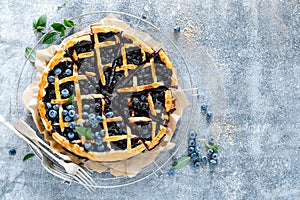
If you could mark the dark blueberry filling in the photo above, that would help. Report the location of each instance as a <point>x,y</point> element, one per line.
<point>81,47</point>
<point>109,36</point>
<point>109,54</point>
<point>134,55</point>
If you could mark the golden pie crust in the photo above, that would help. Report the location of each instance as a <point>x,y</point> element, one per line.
<point>158,129</point>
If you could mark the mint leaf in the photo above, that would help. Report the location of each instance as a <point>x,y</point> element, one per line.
<point>68,23</point>
<point>35,24</point>
<point>42,21</point>
<point>62,5</point>
<point>182,161</point>
<point>59,28</point>
<point>70,99</point>
<point>50,38</point>
<point>26,157</point>
<point>214,147</point>
<point>88,133</point>
<point>32,56</point>
<point>81,130</point>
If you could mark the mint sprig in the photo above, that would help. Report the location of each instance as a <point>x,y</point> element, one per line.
<point>58,28</point>
<point>83,131</point>
<point>40,24</point>
<point>182,161</point>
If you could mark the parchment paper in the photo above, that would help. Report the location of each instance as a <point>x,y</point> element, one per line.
<point>129,167</point>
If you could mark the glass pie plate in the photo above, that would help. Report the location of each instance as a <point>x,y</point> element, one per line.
<point>189,119</point>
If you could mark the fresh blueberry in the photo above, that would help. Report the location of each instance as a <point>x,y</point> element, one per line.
<point>57,71</point>
<point>52,113</point>
<point>87,122</point>
<point>143,98</point>
<point>65,112</point>
<point>109,114</point>
<point>98,135</point>
<point>171,172</point>
<point>99,118</point>
<point>194,156</point>
<point>135,100</point>
<point>92,115</point>
<point>193,134</point>
<point>204,159</point>
<point>214,156</point>
<point>212,162</point>
<point>93,120</point>
<point>76,117</point>
<point>197,164</point>
<point>95,125</point>
<point>67,119</point>
<point>86,107</point>
<point>56,107</point>
<point>98,141</point>
<point>51,79</point>
<point>209,114</point>
<point>71,135</point>
<point>211,140</point>
<point>72,113</point>
<point>48,105</point>
<point>191,150</point>
<point>102,133</point>
<point>192,142</point>
<point>12,152</point>
<point>101,147</point>
<point>87,146</point>
<point>198,150</point>
<point>65,93</point>
<point>72,124</point>
<point>204,106</point>
<point>68,72</point>
<point>177,29</point>
<point>85,115</point>
<point>210,152</point>
<point>70,107</point>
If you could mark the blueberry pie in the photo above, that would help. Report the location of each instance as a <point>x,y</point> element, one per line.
<point>107,95</point>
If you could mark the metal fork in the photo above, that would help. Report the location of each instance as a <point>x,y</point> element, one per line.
<point>77,172</point>
<point>71,169</point>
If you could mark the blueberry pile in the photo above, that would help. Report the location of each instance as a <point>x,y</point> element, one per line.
<point>194,151</point>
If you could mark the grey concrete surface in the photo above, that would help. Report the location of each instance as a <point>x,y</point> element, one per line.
<point>245,55</point>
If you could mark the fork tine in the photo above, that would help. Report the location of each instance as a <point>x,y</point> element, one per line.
<point>87,176</point>
<point>81,183</point>
<point>84,179</point>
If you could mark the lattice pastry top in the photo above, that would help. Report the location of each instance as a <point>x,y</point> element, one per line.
<point>122,95</point>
